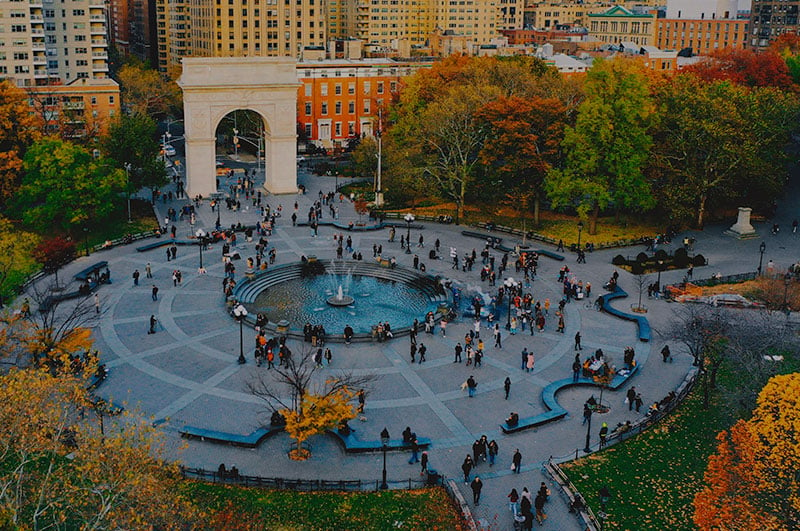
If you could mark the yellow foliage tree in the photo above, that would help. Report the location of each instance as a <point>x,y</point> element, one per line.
<point>316,414</point>
<point>16,261</point>
<point>58,469</point>
<point>752,482</point>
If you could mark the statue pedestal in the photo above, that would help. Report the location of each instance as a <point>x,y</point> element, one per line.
<point>742,229</point>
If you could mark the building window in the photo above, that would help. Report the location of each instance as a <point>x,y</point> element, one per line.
<point>380,87</point>
<point>351,128</point>
<point>324,109</point>
<point>308,109</point>
<point>338,129</point>
<point>351,88</point>
<point>338,107</point>
<point>111,100</point>
<point>308,130</point>
<point>366,106</point>
<point>323,88</point>
<point>351,107</point>
<point>337,89</point>
<point>367,87</point>
<point>307,87</point>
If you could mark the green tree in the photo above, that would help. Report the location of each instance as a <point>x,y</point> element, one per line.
<point>64,187</point>
<point>609,145</point>
<point>132,142</point>
<point>734,149</point>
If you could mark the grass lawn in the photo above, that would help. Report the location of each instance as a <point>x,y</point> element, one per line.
<point>117,226</point>
<point>552,224</point>
<point>653,477</point>
<point>428,509</point>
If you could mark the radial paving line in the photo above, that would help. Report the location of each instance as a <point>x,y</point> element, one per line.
<point>189,397</point>
<point>432,400</point>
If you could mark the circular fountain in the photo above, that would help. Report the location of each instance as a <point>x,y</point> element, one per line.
<point>340,299</point>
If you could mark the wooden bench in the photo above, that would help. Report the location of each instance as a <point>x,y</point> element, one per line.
<point>162,242</point>
<point>247,441</point>
<point>354,445</point>
<point>641,321</point>
<point>494,240</point>
<point>85,274</point>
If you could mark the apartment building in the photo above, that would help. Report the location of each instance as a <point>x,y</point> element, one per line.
<point>339,99</point>
<point>119,25</point>
<point>619,24</point>
<point>237,28</point>
<point>771,18</point>
<point>47,42</point>
<point>701,35</point>
<point>76,109</point>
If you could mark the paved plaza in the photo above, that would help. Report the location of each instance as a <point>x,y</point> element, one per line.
<point>187,372</point>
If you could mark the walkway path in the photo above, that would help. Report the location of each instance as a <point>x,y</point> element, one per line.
<point>187,373</point>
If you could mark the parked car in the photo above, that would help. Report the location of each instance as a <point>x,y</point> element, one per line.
<point>169,150</point>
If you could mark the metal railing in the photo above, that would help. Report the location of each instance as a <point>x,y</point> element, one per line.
<point>584,511</point>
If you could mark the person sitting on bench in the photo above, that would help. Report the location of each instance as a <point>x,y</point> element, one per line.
<point>513,419</point>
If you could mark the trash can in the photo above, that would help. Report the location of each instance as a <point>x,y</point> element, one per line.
<point>282,327</point>
<point>434,478</point>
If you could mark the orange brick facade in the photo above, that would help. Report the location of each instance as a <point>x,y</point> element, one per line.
<point>339,100</point>
<point>702,36</point>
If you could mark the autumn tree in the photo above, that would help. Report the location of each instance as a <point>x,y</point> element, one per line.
<point>16,260</point>
<point>744,67</point>
<point>734,150</point>
<point>18,130</point>
<point>54,253</point>
<point>131,142</point>
<point>752,481</point>
<point>607,148</point>
<point>65,187</point>
<point>61,471</point>
<point>313,403</point>
<point>147,91</point>
<point>787,45</point>
<point>523,144</point>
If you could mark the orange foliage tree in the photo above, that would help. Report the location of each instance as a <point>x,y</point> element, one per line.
<point>752,481</point>
<point>744,67</point>
<point>19,128</point>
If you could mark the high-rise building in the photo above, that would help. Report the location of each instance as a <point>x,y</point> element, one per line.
<point>771,18</point>
<point>237,28</point>
<point>119,25</point>
<point>143,30</point>
<point>44,43</point>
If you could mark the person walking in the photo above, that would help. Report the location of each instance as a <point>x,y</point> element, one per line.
<point>135,277</point>
<point>513,502</point>
<point>498,340</point>
<point>507,386</point>
<point>531,363</point>
<point>361,400</point>
<point>638,401</point>
<point>630,397</point>
<point>148,270</point>
<point>516,461</point>
<point>153,322</point>
<point>538,504</point>
<point>413,350</point>
<point>666,355</point>
<point>458,350</point>
<point>476,486</point>
<point>466,468</point>
<point>443,326</point>
<point>578,340</point>
<point>414,451</point>
<point>587,413</point>
<point>96,303</point>
<point>524,358</point>
<point>423,464</point>
<point>493,449</point>
<point>576,368</point>
<point>421,351</point>
<point>471,386</point>
<point>155,292</point>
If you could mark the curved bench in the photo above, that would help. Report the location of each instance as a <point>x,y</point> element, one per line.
<point>644,325</point>
<point>556,411</point>
<point>162,242</point>
<point>359,228</point>
<point>350,442</point>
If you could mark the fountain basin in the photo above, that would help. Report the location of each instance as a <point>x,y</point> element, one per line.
<point>343,300</point>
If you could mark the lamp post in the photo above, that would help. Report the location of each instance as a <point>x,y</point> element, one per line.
<point>509,283</point>
<point>218,224</point>
<point>201,238</point>
<point>586,448</point>
<point>86,239</point>
<point>384,447</point>
<point>660,268</point>
<point>409,220</point>
<point>761,249</point>
<point>580,229</point>
<point>235,143</point>
<point>128,187</point>
<point>240,312</point>
<point>378,135</point>
<point>164,138</point>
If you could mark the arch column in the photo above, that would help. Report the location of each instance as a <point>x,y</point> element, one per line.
<point>215,86</point>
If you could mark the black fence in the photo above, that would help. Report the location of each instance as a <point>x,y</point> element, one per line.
<point>577,501</point>
<point>342,485</point>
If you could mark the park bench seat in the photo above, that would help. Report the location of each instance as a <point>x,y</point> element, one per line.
<point>85,274</point>
<point>248,441</point>
<point>641,321</point>
<point>485,237</point>
<point>354,445</point>
<point>164,241</point>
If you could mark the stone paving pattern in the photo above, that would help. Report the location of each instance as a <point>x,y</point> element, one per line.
<point>187,373</point>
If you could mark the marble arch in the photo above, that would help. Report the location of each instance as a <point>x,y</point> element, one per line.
<point>215,86</point>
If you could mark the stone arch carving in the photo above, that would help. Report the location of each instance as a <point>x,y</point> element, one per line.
<point>215,86</point>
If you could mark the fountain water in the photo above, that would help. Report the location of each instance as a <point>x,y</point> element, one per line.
<point>340,299</point>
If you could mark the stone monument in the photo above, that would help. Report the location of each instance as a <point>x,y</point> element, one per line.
<point>742,229</point>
